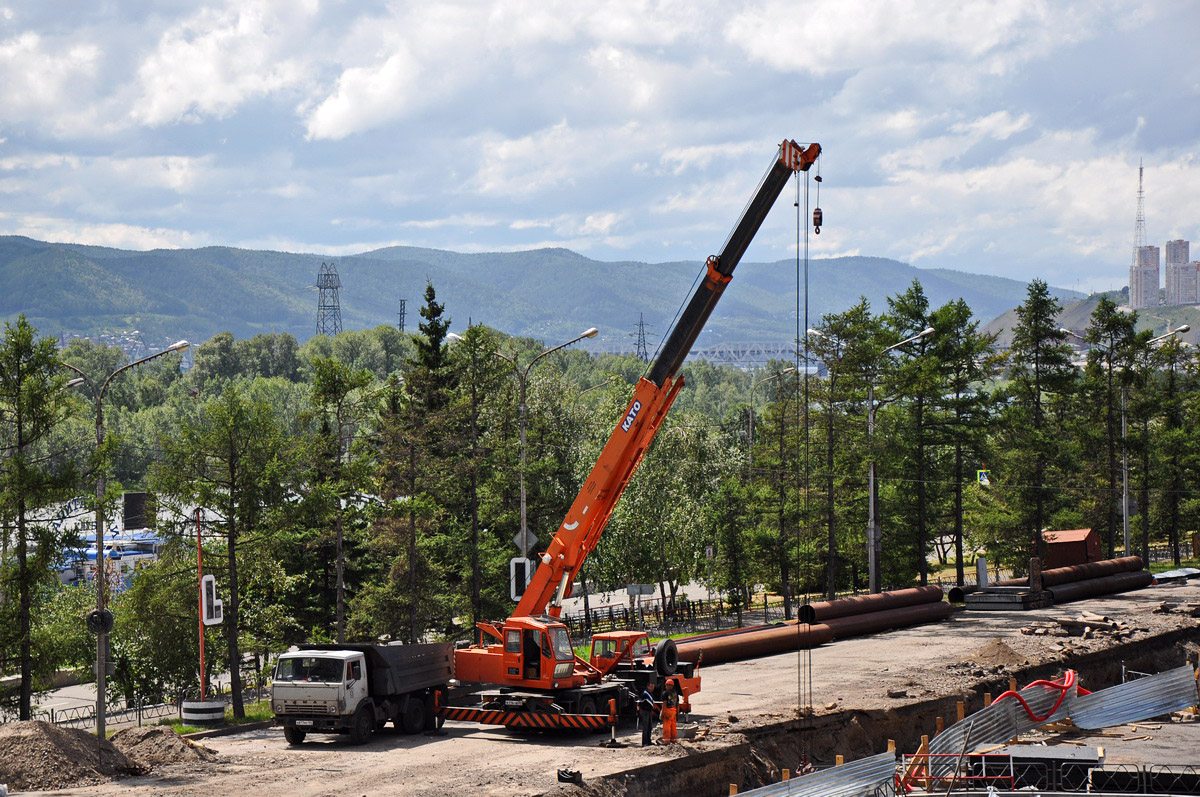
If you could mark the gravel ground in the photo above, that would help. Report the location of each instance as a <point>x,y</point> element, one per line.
<point>921,662</point>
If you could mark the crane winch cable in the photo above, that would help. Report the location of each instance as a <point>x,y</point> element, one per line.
<point>803,653</point>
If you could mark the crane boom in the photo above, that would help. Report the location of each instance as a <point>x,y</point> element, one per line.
<point>584,523</point>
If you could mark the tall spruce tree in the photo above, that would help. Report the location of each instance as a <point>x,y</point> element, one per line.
<point>33,402</point>
<point>1032,438</point>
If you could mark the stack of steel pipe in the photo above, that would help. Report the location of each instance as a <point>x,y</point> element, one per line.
<point>866,614</point>
<point>749,643</point>
<point>819,623</point>
<point>1075,582</point>
<point>1096,578</point>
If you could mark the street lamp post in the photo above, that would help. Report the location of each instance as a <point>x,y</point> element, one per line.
<point>523,381</point>
<point>103,621</point>
<point>753,387</point>
<point>874,541</point>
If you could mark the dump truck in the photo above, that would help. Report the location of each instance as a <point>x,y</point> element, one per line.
<point>357,689</point>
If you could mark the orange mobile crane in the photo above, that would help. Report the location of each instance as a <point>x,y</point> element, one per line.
<point>528,659</point>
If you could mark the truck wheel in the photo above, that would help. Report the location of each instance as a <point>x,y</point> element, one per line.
<point>364,723</point>
<point>293,735</point>
<point>666,658</point>
<point>414,715</point>
<point>587,706</point>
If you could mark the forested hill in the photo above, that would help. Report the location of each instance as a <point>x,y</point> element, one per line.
<point>548,293</point>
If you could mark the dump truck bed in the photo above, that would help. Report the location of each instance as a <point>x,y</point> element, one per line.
<point>401,668</point>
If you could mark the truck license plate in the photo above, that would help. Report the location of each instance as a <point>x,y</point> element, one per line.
<point>304,722</point>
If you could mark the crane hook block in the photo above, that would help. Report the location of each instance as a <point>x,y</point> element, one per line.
<point>818,220</point>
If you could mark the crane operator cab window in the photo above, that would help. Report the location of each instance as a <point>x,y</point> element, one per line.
<point>604,649</point>
<point>532,655</point>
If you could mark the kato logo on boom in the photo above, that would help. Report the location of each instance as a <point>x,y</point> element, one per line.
<point>634,409</point>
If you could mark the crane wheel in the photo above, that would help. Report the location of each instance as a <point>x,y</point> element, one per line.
<point>666,658</point>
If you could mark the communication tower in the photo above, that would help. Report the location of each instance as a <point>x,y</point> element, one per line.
<point>1139,222</point>
<point>329,308</point>
<point>400,320</point>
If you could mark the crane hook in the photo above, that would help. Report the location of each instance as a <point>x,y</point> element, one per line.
<point>818,220</point>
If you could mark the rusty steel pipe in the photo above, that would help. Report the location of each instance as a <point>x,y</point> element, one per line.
<point>861,604</point>
<point>899,617</point>
<point>748,644</point>
<point>1065,575</point>
<point>1105,567</point>
<point>1103,585</point>
<point>959,594</point>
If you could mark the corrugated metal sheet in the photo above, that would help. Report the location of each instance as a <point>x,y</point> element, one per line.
<point>859,778</point>
<point>1173,690</point>
<point>995,724</point>
<point>990,725</point>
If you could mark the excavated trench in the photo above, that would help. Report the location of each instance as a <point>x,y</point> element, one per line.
<point>757,756</point>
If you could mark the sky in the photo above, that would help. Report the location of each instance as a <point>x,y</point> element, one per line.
<point>990,136</point>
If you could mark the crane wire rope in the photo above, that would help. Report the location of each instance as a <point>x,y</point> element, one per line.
<point>803,650</point>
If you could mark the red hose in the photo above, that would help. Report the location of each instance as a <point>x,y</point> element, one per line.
<point>1063,686</point>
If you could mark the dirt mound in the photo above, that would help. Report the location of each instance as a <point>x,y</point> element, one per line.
<point>156,744</point>
<point>38,755</point>
<point>996,652</point>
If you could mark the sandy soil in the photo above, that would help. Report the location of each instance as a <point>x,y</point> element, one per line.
<point>855,673</point>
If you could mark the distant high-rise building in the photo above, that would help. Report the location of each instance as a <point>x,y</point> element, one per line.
<point>1182,287</point>
<point>1144,278</point>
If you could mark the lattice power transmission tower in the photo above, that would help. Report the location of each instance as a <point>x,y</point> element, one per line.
<point>329,308</point>
<point>400,319</point>
<point>643,352</point>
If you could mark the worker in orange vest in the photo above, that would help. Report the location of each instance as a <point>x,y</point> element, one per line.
<point>670,712</point>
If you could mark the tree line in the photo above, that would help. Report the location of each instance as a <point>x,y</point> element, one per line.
<point>366,485</point>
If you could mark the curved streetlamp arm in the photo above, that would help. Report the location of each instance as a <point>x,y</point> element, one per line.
<point>589,333</point>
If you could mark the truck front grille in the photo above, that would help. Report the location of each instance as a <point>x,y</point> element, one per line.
<point>309,707</point>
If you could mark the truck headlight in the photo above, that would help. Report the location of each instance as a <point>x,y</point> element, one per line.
<point>278,708</point>
<point>564,669</point>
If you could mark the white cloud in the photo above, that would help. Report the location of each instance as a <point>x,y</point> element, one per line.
<point>122,236</point>
<point>367,97</point>
<point>821,38</point>
<point>213,62</point>
<point>39,76</point>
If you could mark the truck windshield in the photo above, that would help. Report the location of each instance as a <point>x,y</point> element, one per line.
<point>309,668</point>
<point>562,644</point>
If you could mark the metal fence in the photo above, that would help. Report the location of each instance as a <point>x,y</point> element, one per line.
<point>683,615</point>
<point>121,713</point>
<point>84,717</point>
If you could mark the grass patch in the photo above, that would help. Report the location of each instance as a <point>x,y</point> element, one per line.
<point>1162,567</point>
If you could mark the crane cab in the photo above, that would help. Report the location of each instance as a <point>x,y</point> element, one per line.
<point>523,652</point>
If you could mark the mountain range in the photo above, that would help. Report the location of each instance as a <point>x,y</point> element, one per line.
<point>549,294</point>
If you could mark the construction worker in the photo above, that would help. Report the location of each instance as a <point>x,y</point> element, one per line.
<point>646,712</point>
<point>670,711</point>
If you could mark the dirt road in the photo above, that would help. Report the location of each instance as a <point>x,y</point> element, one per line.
<point>853,674</point>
